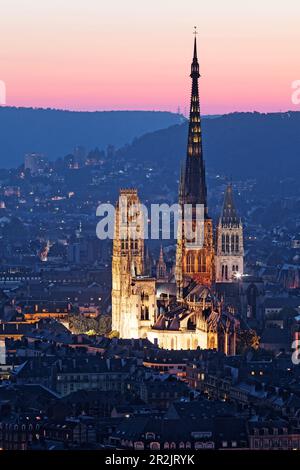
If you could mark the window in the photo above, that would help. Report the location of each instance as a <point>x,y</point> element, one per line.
<point>201,262</point>
<point>237,242</point>
<point>190,263</point>
<point>232,243</point>
<point>226,272</point>
<point>227,244</point>
<point>154,445</point>
<point>223,243</point>
<point>144,312</point>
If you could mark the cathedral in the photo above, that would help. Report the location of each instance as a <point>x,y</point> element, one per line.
<point>180,308</point>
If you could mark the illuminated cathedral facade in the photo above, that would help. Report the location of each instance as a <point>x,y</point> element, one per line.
<point>180,309</point>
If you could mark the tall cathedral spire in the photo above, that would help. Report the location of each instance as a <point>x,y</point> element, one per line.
<point>194,261</point>
<point>194,183</point>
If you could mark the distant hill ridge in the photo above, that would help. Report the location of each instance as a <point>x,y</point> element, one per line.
<point>56,132</point>
<point>237,144</point>
<point>241,145</point>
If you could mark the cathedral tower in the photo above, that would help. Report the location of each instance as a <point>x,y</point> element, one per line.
<point>229,261</point>
<point>194,262</point>
<point>133,293</point>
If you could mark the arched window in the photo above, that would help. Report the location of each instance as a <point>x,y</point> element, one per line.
<point>166,445</point>
<point>172,445</point>
<point>226,272</point>
<point>237,242</point>
<point>201,262</point>
<point>190,263</point>
<point>232,243</point>
<point>154,445</point>
<point>223,243</point>
<point>227,243</point>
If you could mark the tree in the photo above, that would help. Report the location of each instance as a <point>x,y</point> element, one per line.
<point>79,324</point>
<point>247,339</point>
<point>113,334</point>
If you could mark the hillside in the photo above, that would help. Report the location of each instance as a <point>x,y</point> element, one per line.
<point>55,133</point>
<point>241,145</point>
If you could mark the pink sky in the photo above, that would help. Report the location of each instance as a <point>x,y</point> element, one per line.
<point>133,54</point>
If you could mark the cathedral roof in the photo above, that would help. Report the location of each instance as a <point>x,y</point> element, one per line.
<point>160,323</point>
<point>175,324</point>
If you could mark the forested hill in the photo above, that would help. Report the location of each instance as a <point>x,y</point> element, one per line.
<point>55,133</point>
<point>242,145</point>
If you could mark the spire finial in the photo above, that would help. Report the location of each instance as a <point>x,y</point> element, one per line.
<point>195,42</point>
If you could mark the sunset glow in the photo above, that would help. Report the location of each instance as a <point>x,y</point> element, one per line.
<point>99,55</point>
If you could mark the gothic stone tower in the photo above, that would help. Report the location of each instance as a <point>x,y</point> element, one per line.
<point>133,294</point>
<point>229,262</point>
<point>194,262</point>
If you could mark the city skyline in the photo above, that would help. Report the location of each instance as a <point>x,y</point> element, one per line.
<point>127,56</point>
<point>150,264</point>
